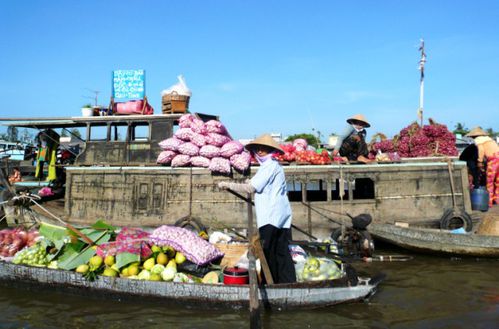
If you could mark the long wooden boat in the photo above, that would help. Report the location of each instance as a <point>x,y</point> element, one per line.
<point>437,241</point>
<point>116,177</point>
<point>277,296</point>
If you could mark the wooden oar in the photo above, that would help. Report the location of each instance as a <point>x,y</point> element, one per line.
<point>254,303</point>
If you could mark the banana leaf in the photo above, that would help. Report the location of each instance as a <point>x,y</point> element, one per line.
<point>53,232</point>
<point>101,225</point>
<point>75,259</point>
<point>125,258</point>
<point>97,236</point>
<point>73,254</point>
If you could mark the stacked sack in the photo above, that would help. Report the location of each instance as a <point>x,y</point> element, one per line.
<point>203,144</point>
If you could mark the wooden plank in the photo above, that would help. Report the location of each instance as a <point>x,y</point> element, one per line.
<point>257,248</point>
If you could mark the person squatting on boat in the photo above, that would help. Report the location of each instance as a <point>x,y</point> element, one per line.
<point>273,211</point>
<point>487,150</point>
<point>352,142</point>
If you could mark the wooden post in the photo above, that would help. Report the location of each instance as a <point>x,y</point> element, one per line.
<point>254,305</point>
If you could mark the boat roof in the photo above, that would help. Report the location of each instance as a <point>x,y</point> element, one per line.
<point>75,122</point>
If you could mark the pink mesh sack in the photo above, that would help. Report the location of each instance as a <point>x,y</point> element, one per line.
<point>209,151</point>
<point>198,139</point>
<point>186,120</point>
<point>214,126</point>
<point>170,144</point>
<point>200,161</point>
<point>241,161</point>
<point>188,149</point>
<point>194,248</point>
<point>198,126</point>
<point>231,148</point>
<point>216,139</point>
<point>166,157</point>
<point>184,134</point>
<point>220,165</point>
<point>181,160</point>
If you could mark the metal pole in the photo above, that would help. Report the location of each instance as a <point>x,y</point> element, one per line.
<point>422,62</point>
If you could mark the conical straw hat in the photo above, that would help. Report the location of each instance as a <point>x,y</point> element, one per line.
<point>265,140</point>
<point>475,132</point>
<point>361,118</point>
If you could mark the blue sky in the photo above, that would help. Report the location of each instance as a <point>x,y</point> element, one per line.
<point>262,66</point>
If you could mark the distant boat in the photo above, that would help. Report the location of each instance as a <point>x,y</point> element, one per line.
<point>437,241</point>
<point>14,151</point>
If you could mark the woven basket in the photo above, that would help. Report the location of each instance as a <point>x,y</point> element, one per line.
<point>232,252</point>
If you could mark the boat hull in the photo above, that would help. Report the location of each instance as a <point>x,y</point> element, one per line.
<point>286,296</point>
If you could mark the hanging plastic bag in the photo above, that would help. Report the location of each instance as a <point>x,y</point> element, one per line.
<point>180,88</point>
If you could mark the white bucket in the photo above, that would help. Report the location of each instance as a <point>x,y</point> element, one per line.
<point>87,112</point>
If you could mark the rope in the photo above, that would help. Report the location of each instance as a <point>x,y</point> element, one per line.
<point>48,212</point>
<point>32,198</point>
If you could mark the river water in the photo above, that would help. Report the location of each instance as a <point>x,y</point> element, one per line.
<point>425,292</point>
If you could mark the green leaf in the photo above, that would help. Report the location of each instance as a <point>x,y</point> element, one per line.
<point>125,258</point>
<point>53,232</point>
<point>77,259</point>
<point>97,236</point>
<point>101,225</point>
<point>69,250</point>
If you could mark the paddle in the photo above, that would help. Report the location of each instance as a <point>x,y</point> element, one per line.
<point>254,304</point>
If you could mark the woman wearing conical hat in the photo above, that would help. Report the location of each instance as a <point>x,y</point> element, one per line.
<point>273,211</point>
<point>352,142</point>
<point>488,150</point>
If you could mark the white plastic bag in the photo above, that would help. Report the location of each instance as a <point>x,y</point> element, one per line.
<point>180,88</point>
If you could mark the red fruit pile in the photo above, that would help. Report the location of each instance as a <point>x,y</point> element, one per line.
<point>13,240</point>
<point>416,141</point>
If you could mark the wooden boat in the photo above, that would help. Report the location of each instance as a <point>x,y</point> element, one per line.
<point>437,241</point>
<point>116,177</point>
<point>277,296</point>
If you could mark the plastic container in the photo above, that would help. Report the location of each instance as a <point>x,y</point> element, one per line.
<point>87,111</point>
<point>235,275</point>
<point>480,199</point>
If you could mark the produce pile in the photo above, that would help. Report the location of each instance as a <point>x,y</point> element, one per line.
<point>298,152</point>
<point>203,144</point>
<point>433,139</point>
<point>167,253</point>
<point>318,269</point>
<point>13,240</point>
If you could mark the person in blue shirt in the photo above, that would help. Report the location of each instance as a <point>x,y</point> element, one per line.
<point>352,142</point>
<point>273,211</point>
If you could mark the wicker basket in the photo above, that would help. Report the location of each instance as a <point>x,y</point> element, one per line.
<point>174,103</point>
<point>232,252</point>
